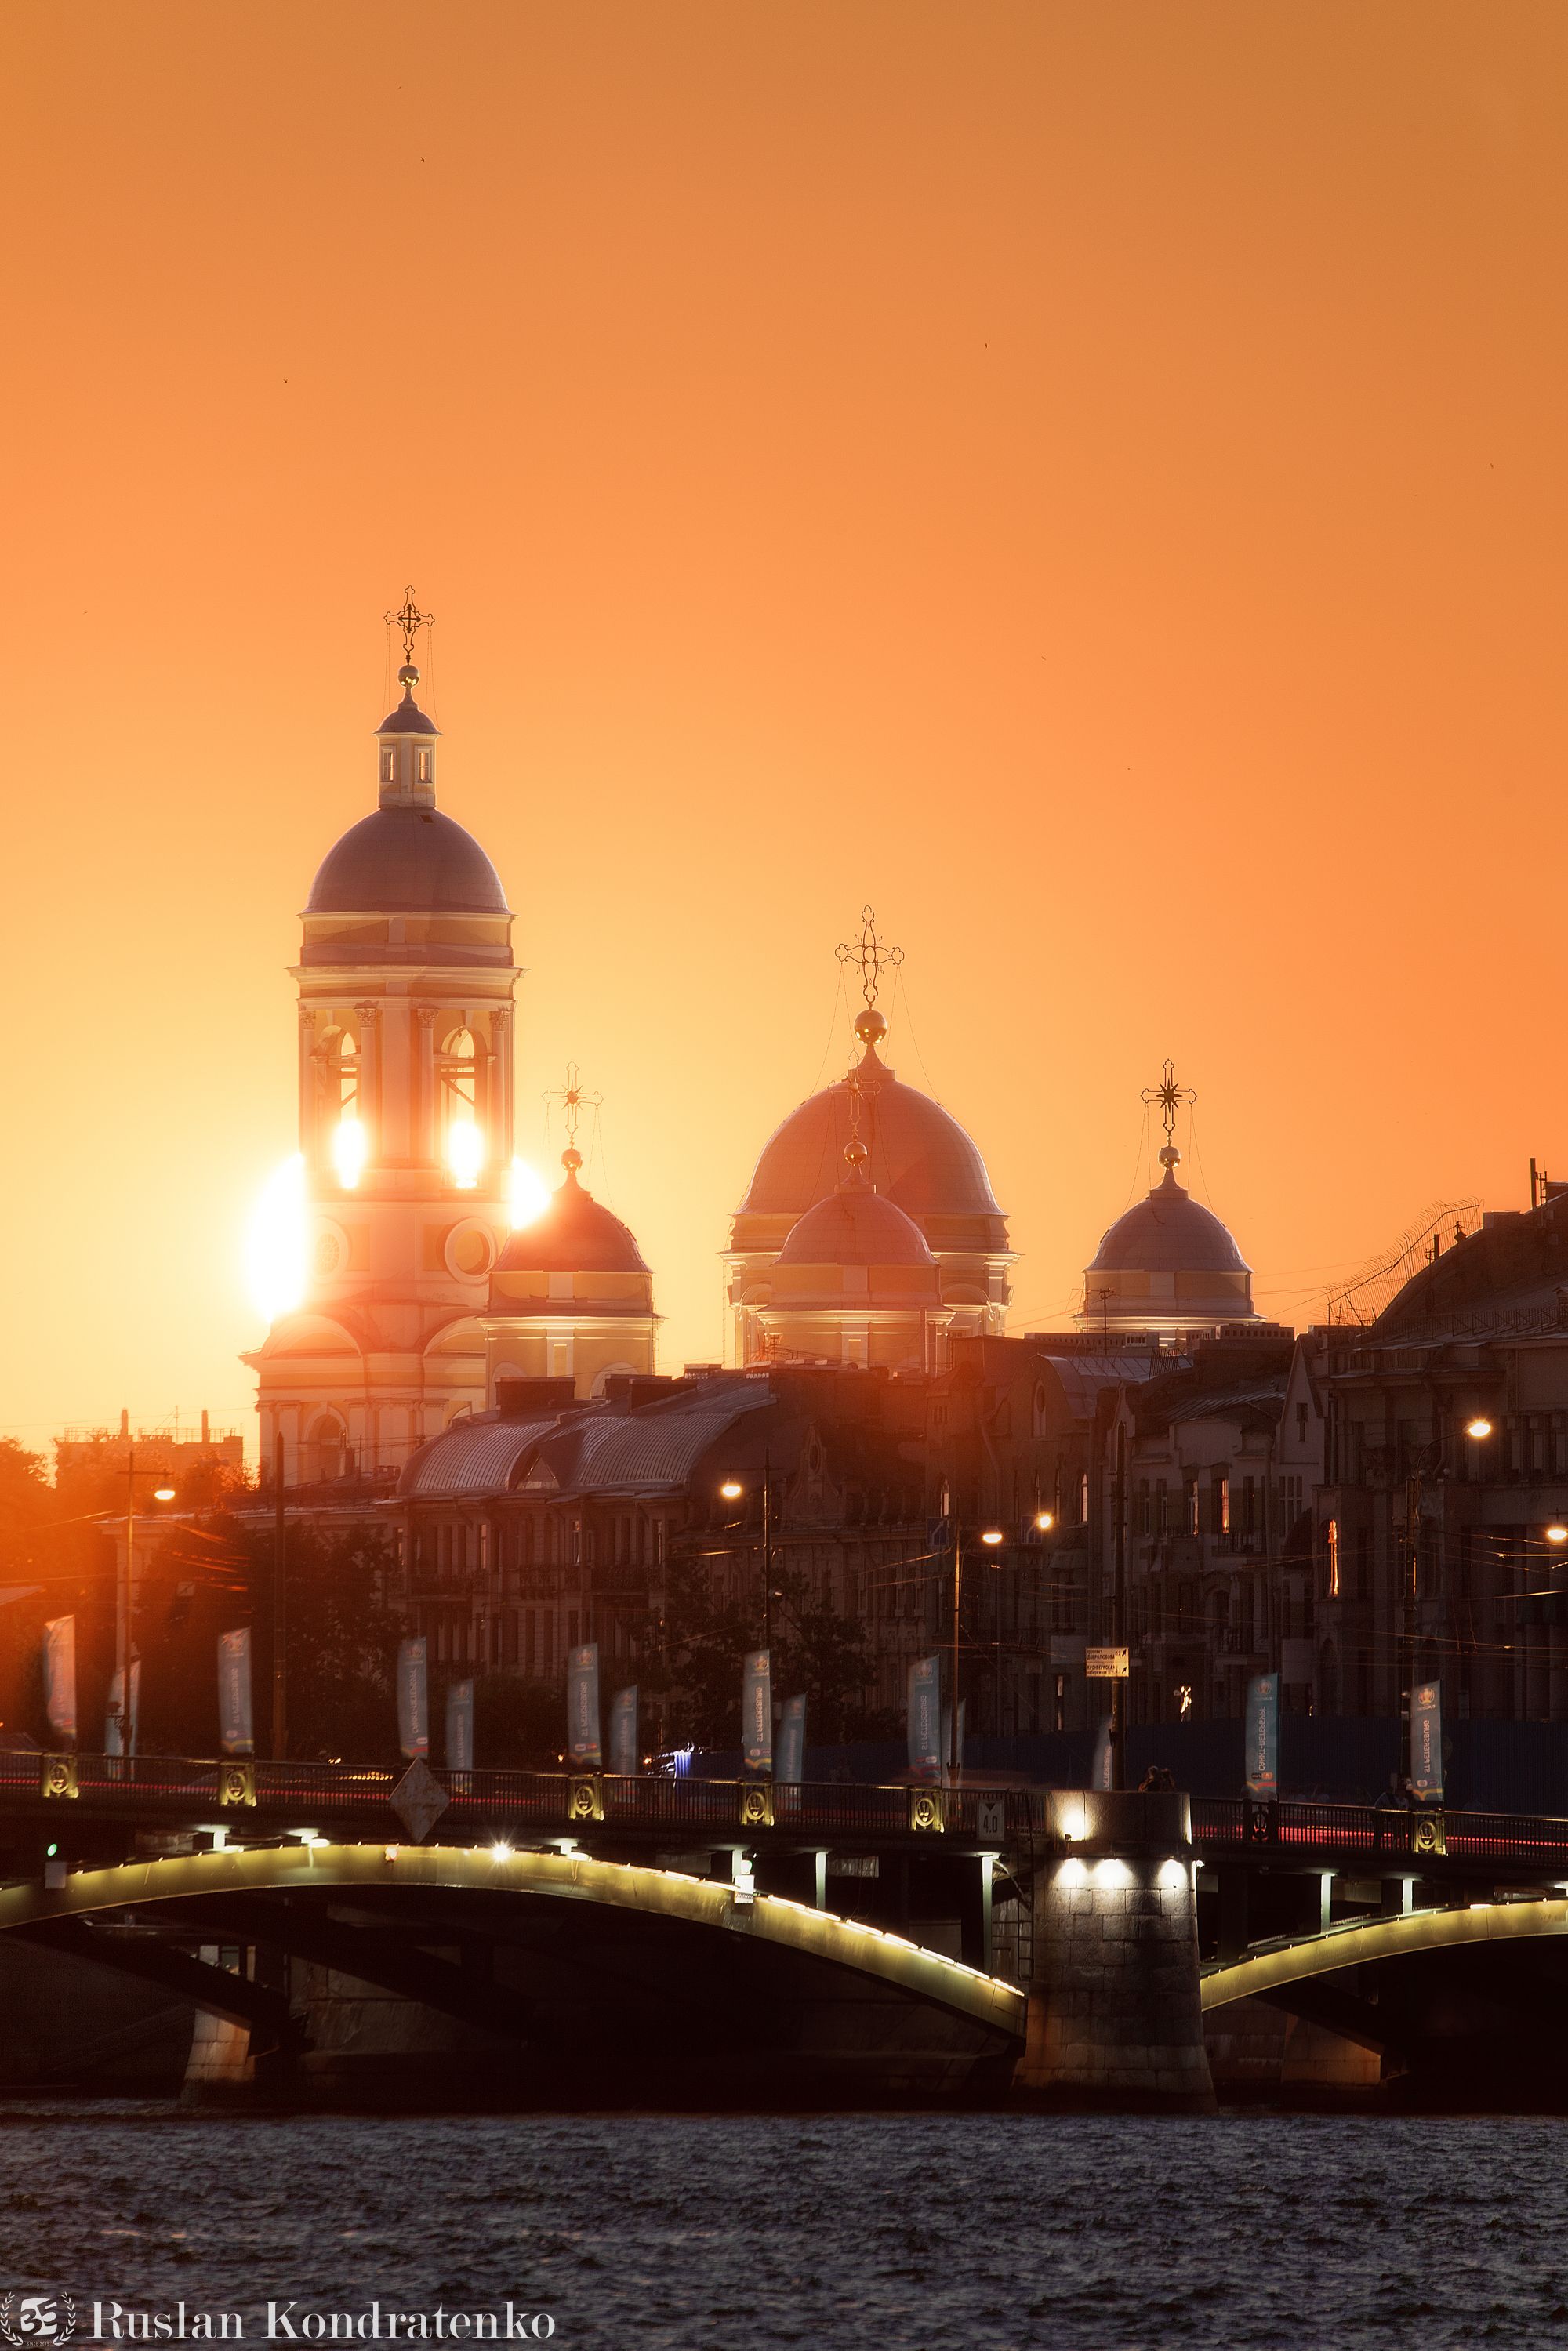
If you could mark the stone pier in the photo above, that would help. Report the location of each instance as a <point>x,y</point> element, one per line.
<point>1115,2014</point>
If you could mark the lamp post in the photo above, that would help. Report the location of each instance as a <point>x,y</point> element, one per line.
<point>991,1537</point>
<point>732,1489</point>
<point>119,1706</point>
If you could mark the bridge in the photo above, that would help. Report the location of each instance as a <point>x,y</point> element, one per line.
<point>566,1935</point>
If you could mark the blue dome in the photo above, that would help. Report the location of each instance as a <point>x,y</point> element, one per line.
<point>406,861</point>
<point>1170,1232</point>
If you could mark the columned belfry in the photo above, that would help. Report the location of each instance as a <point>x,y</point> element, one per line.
<point>405,982</point>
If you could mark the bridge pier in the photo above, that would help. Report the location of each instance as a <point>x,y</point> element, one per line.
<point>1114,2008</point>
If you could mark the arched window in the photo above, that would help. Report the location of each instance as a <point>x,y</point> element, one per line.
<point>462,1136</point>
<point>327,1453</point>
<point>343,1129</point>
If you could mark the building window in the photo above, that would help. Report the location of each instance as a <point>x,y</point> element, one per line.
<point>424,767</point>
<point>389,767</point>
<point>1191,1512</point>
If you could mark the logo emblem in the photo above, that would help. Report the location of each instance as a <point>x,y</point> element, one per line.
<point>31,2322</point>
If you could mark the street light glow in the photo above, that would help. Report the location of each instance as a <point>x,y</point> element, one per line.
<point>732,1489</point>
<point>1044,1520</point>
<point>162,1493</point>
<point>1557,1534</point>
<point>992,1535</point>
<point>1479,1426</point>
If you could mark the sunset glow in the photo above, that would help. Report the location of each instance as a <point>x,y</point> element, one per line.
<point>528,1195</point>
<point>349,1149</point>
<point>465,1154</point>
<point>276,1258</point>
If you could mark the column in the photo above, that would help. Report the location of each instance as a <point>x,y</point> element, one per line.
<point>423,1138</point>
<point>1114,2010</point>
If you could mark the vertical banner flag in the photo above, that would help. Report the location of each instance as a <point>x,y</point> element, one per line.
<point>1427,1742</point>
<point>583,1751</point>
<point>60,1677</point>
<point>1100,1771</point>
<point>1262,1737</point>
<point>235,1734</point>
<point>793,1741</point>
<point>925,1718</point>
<point>757,1712</point>
<point>460,1726</point>
<point>413,1702</point>
<point>623,1756</point>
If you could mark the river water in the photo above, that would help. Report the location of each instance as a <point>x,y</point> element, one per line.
<point>864,2233</point>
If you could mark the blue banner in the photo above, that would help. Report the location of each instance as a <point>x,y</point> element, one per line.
<point>625,1758</point>
<point>925,1718</point>
<point>583,1750</point>
<point>60,1677</point>
<point>1102,1770</point>
<point>757,1711</point>
<point>1261,1742</point>
<point>1427,1742</point>
<point>460,1726</point>
<point>792,1741</point>
<point>235,1730</point>
<point>412,1701</point>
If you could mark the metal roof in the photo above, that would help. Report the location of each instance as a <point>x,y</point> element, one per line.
<point>474,1456</point>
<point>660,1446</point>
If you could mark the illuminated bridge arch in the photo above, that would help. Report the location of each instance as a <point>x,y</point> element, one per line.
<point>1467,1997</point>
<point>554,1970</point>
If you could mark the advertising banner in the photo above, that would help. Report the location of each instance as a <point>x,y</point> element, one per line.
<point>757,1711</point>
<point>793,1741</point>
<point>60,1677</point>
<point>1262,1744</point>
<point>625,1758</point>
<point>235,1731</point>
<point>412,1700</point>
<point>1427,1742</point>
<point>1100,1769</point>
<point>583,1750</point>
<point>925,1718</point>
<point>460,1726</point>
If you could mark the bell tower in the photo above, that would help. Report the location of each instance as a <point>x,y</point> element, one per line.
<point>406,983</point>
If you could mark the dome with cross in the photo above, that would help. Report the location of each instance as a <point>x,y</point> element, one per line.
<point>1168,1264</point>
<point>917,1159</point>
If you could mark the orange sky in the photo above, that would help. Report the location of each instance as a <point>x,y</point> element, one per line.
<point>1089,479</point>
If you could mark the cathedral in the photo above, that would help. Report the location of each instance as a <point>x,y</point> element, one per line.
<point>869,1234</point>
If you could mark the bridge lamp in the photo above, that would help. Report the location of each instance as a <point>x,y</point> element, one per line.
<point>500,1851</point>
<point>1478,1428</point>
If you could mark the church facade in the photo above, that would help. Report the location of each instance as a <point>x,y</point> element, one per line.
<point>406,983</point>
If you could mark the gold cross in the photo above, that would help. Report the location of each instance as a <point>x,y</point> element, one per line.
<point>1168,1094</point>
<point>573,1100</point>
<point>410,620</point>
<point>869,952</point>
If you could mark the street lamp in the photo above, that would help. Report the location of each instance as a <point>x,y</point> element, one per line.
<point>1478,1428</point>
<point>1045,1520</point>
<point>991,1537</point>
<point>1557,1534</point>
<point>120,1707</point>
<point>732,1489</point>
